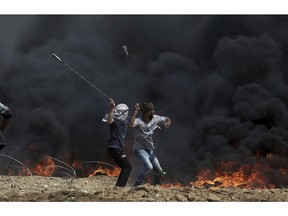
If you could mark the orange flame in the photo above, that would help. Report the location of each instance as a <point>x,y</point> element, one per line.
<point>109,172</point>
<point>47,167</point>
<point>252,176</point>
<point>168,185</point>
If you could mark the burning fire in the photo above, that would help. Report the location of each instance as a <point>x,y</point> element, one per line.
<point>45,168</point>
<point>168,185</point>
<point>115,171</point>
<point>109,172</point>
<point>247,176</point>
<point>259,175</point>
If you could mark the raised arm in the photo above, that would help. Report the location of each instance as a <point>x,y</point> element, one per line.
<point>137,108</point>
<point>111,113</point>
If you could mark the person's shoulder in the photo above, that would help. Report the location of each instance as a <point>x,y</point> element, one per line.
<point>138,120</point>
<point>158,118</point>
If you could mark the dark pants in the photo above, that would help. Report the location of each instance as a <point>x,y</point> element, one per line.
<point>122,161</point>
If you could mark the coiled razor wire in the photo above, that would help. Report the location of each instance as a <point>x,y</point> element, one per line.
<point>69,170</point>
<point>99,162</point>
<point>17,161</point>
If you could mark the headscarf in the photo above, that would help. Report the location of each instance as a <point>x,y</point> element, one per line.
<point>3,108</point>
<point>120,113</point>
<point>5,111</point>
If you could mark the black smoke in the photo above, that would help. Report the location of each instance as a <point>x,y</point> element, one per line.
<point>222,79</point>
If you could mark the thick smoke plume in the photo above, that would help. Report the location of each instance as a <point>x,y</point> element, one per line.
<point>222,80</point>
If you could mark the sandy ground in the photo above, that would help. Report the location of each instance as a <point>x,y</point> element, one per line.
<point>100,188</point>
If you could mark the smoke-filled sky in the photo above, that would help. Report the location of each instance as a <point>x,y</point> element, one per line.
<point>221,78</point>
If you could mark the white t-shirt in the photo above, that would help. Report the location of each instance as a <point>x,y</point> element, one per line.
<point>143,132</point>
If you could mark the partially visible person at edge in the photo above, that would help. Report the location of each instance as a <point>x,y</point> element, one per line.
<point>7,114</point>
<point>143,147</point>
<point>118,121</point>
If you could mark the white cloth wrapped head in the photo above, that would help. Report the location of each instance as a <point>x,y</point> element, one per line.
<point>120,113</point>
<point>3,108</point>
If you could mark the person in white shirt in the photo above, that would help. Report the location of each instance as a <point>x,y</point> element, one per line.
<point>143,147</point>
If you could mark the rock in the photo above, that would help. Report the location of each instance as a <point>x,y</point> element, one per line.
<point>144,188</point>
<point>191,196</point>
<point>180,198</point>
<point>213,198</point>
<point>140,193</point>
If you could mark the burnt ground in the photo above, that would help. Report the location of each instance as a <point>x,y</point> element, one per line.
<point>101,188</point>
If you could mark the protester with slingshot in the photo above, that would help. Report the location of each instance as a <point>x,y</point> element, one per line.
<point>143,147</point>
<point>118,121</point>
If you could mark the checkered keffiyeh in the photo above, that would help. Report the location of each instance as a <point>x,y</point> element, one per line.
<point>3,108</point>
<point>120,113</point>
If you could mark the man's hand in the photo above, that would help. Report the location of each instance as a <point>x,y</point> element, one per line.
<point>111,101</point>
<point>137,107</point>
<point>167,123</point>
<point>111,113</point>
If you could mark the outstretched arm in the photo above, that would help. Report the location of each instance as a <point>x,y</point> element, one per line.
<point>137,108</point>
<point>111,113</point>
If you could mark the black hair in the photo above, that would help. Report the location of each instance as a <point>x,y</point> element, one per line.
<point>146,106</point>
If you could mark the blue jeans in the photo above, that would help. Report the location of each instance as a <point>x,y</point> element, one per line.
<point>149,161</point>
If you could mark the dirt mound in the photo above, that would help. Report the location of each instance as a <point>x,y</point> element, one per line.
<point>101,189</point>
